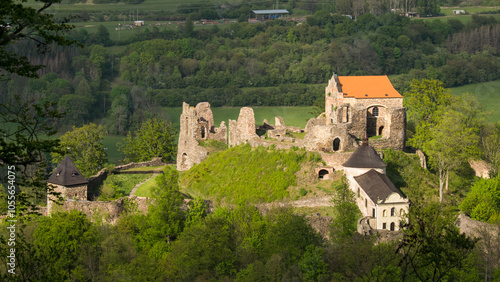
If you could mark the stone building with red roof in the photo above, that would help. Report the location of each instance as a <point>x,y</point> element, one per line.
<point>355,105</point>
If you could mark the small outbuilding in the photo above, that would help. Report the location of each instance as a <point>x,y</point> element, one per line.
<point>264,15</point>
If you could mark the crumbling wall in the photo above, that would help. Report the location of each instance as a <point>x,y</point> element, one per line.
<point>481,168</point>
<point>108,211</point>
<point>242,130</point>
<point>189,152</point>
<point>153,162</point>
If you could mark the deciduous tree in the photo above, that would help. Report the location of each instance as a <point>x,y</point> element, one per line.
<point>155,138</point>
<point>19,22</point>
<point>84,146</point>
<point>433,248</point>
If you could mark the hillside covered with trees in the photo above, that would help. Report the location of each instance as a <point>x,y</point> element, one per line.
<point>92,86</point>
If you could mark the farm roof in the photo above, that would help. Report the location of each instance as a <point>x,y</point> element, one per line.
<point>264,12</point>
<point>370,86</point>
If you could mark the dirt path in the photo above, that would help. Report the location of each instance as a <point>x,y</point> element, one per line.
<point>139,184</point>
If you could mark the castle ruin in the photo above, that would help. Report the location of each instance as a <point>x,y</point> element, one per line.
<point>353,105</point>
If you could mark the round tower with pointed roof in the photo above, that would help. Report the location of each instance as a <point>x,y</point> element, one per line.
<point>68,182</point>
<point>363,159</point>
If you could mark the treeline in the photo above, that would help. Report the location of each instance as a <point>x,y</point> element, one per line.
<point>244,64</point>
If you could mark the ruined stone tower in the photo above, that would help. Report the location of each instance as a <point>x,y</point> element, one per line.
<point>196,124</point>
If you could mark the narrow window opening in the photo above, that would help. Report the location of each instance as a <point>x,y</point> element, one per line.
<point>336,144</point>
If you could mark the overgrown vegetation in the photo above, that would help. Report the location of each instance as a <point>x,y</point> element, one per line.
<point>243,174</point>
<point>119,185</point>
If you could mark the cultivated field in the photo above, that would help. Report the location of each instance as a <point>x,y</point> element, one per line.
<point>146,6</point>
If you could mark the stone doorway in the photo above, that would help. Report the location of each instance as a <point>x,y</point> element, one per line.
<point>322,173</point>
<point>336,144</point>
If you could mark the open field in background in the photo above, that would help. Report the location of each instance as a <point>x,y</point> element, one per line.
<point>488,94</point>
<point>462,18</point>
<point>125,33</point>
<point>110,145</point>
<point>293,116</point>
<point>470,10</point>
<point>146,6</point>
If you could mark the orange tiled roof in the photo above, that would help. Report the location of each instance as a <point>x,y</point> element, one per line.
<point>371,86</point>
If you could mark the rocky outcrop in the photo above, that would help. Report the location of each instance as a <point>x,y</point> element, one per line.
<point>481,168</point>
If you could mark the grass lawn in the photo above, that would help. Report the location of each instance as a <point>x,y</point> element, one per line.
<point>119,185</point>
<point>146,168</point>
<point>488,94</point>
<point>293,116</point>
<point>145,189</point>
<point>110,145</point>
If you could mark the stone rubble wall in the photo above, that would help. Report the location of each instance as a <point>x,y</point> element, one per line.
<point>107,211</point>
<point>481,168</point>
<point>153,162</point>
<point>477,229</point>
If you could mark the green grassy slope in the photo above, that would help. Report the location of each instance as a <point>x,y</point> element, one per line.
<point>243,174</point>
<point>488,94</point>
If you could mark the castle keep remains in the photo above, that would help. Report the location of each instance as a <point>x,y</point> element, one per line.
<point>353,105</point>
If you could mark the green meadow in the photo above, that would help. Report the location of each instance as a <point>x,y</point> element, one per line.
<point>293,116</point>
<point>146,6</point>
<point>488,94</point>
<point>123,33</point>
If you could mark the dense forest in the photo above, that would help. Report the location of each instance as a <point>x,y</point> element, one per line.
<point>279,63</point>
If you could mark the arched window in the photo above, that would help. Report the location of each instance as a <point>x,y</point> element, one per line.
<point>384,225</point>
<point>322,173</point>
<point>392,226</point>
<point>375,111</point>
<point>336,144</point>
<point>401,212</point>
<point>202,132</point>
<point>384,213</point>
<point>184,160</point>
<point>393,212</point>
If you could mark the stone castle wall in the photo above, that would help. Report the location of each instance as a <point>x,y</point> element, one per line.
<point>107,211</point>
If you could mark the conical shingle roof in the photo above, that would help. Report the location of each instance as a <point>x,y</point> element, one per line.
<point>365,157</point>
<point>67,174</point>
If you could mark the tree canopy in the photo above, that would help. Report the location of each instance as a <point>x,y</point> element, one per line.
<point>83,145</point>
<point>19,22</point>
<point>154,138</point>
